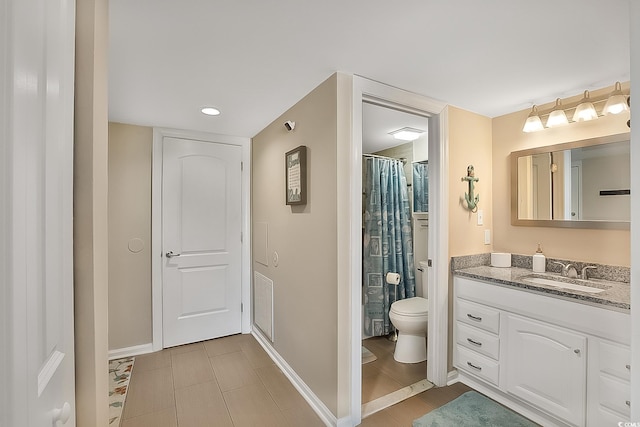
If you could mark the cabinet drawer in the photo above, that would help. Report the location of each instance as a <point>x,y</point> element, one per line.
<point>614,394</point>
<point>477,364</point>
<point>615,360</point>
<point>480,316</point>
<point>478,340</point>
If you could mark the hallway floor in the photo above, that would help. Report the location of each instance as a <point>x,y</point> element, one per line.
<point>232,381</point>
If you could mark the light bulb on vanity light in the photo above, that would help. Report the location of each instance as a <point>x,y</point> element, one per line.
<point>533,122</point>
<point>617,102</point>
<point>557,117</point>
<point>585,110</point>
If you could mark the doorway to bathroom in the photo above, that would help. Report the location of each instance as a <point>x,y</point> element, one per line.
<point>395,241</point>
<point>437,272</point>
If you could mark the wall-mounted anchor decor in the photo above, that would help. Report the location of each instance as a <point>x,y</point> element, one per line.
<point>472,201</point>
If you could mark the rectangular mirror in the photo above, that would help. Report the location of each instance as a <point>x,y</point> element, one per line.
<point>581,184</point>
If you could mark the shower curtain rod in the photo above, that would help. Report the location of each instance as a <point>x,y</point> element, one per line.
<point>402,159</point>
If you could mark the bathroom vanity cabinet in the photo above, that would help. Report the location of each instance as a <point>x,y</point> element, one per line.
<point>555,361</point>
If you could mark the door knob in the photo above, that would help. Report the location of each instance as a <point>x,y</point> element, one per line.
<point>170,254</point>
<point>62,414</point>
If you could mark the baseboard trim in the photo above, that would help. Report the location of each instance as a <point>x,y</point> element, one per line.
<point>452,377</point>
<point>136,350</point>
<point>316,404</point>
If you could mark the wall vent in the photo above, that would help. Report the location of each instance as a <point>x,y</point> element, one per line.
<point>263,304</point>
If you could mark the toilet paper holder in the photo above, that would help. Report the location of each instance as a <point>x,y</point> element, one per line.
<point>393,278</point>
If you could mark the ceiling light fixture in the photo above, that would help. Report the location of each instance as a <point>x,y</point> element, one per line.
<point>533,122</point>
<point>617,102</point>
<point>407,134</point>
<point>210,111</point>
<point>586,109</point>
<point>557,117</point>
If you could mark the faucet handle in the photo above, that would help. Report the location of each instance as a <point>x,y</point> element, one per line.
<point>566,268</point>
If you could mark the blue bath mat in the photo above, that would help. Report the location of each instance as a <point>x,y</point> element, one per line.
<point>472,410</point>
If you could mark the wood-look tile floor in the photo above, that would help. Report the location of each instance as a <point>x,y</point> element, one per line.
<point>224,382</point>
<point>232,382</point>
<point>384,375</point>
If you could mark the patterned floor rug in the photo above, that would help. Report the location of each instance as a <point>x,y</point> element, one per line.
<point>472,410</point>
<point>119,376</point>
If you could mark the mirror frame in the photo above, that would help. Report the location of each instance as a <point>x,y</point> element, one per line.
<point>558,223</point>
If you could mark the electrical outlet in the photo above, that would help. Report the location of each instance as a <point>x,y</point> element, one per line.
<point>480,217</point>
<point>487,237</point>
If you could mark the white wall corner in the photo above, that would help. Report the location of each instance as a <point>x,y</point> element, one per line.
<point>634,17</point>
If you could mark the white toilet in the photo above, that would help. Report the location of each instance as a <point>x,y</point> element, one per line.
<point>410,316</point>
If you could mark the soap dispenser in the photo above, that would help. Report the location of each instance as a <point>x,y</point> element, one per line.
<point>539,261</point>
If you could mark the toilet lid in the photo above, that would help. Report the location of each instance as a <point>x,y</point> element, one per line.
<point>415,306</point>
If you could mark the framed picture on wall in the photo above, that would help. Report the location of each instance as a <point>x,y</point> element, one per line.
<point>295,172</point>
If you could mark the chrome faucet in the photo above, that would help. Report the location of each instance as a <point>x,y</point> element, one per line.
<point>568,270</point>
<point>584,275</point>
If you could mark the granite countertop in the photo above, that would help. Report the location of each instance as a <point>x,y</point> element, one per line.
<point>615,297</point>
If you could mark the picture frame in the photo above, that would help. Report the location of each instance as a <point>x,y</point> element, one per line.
<point>295,173</point>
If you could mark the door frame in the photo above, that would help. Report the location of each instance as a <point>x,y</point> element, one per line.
<point>384,95</point>
<point>159,134</point>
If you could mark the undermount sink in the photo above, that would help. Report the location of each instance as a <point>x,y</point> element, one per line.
<point>566,283</point>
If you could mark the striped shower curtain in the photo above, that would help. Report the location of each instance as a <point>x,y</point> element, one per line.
<point>387,241</point>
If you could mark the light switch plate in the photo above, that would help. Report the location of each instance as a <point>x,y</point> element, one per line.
<point>487,237</point>
<point>480,217</point>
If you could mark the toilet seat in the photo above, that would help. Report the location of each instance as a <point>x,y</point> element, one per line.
<point>411,307</point>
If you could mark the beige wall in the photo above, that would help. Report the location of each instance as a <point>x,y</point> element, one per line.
<point>90,214</point>
<point>599,246</point>
<point>305,237</point>
<point>470,138</point>
<point>129,235</point>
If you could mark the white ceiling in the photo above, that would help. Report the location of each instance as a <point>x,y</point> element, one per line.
<point>253,59</point>
<point>378,121</point>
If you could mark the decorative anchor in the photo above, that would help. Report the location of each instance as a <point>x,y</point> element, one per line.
<point>472,202</point>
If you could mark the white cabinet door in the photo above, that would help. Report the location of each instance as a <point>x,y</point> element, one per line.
<point>546,366</point>
<point>201,239</point>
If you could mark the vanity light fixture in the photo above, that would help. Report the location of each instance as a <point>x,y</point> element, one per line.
<point>585,110</point>
<point>557,117</point>
<point>210,111</point>
<point>617,102</point>
<point>407,134</point>
<point>533,122</point>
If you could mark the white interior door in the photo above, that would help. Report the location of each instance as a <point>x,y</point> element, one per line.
<point>36,213</point>
<point>201,240</point>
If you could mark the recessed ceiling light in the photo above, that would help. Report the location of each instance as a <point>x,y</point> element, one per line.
<point>407,134</point>
<point>210,111</point>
